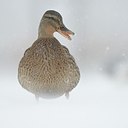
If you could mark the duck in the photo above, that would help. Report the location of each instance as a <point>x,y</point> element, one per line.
<point>47,69</point>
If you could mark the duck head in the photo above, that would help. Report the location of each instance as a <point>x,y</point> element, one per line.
<point>52,22</point>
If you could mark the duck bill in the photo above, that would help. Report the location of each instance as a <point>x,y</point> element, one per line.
<point>65,32</point>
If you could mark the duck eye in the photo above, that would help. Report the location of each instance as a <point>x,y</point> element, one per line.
<point>62,28</point>
<point>57,28</point>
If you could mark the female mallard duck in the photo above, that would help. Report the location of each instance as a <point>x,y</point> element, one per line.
<point>47,69</point>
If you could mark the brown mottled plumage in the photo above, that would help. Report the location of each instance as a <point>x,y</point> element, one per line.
<point>47,69</point>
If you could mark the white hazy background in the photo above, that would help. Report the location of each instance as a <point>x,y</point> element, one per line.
<point>100,47</point>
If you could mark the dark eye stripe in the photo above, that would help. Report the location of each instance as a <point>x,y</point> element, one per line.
<point>52,18</point>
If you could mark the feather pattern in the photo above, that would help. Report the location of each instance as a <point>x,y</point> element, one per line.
<point>47,69</point>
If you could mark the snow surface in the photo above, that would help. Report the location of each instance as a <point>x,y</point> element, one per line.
<point>96,102</point>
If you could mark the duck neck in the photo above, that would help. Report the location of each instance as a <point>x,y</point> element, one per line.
<point>45,30</point>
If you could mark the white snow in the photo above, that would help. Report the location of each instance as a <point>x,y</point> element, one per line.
<point>96,102</point>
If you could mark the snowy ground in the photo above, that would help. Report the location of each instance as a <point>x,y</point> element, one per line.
<point>97,102</point>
